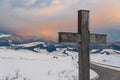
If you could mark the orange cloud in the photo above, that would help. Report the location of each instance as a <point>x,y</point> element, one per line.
<point>107,13</point>
<point>49,30</point>
<point>46,33</point>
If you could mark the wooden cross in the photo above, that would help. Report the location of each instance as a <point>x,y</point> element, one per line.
<point>83,38</point>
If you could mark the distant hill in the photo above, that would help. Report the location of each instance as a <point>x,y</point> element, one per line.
<point>34,44</point>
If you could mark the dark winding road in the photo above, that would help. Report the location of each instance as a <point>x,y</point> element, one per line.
<point>105,73</point>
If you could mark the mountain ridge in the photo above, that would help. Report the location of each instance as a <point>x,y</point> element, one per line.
<point>31,43</point>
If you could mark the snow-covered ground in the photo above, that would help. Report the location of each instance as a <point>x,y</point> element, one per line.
<point>29,44</point>
<point>28,65</point>
<point>111,60</point>
<point>4,35</point>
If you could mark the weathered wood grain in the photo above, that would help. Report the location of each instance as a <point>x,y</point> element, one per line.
<point>83,29</point>
<point>68,37</point>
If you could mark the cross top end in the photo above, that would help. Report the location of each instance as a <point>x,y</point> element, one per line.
<point>83,10</point>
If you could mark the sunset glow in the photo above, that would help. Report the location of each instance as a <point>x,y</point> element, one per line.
<point>45,18</point>
<point>45,33</point>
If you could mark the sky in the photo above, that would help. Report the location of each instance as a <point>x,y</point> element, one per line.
<point>45,18</point>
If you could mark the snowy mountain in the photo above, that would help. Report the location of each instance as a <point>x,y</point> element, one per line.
<point>104,51</point>
<point>4,35</point>
<point>39,45</point>
<point>33,44</point>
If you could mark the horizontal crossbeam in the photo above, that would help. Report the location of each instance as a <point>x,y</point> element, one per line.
<point>68,37</point>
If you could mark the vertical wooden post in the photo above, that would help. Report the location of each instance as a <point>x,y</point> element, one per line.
<point>83,29</point>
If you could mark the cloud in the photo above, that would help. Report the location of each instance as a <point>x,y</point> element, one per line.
<point>21,3</point>
<point>19,15</point>
<point>43,17</point>
<point>107,13</point>
<point>52,27</point>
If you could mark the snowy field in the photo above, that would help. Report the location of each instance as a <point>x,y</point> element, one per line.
<point>110,61</point>
<point>27,65</point>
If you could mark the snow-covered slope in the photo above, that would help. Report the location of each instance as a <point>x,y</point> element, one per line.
<point>106,57</point>
<point>100,53</point>
<point>28,44</point>
<point>4,35</point>
<point>28,65</point>
<point>104,51</point>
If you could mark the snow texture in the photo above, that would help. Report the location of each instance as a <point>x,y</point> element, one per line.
<point>28,65</point>
<point>4,35</point>
<point>111,60</point>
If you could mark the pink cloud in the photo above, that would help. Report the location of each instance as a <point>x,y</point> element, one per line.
<point>107,13</point>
